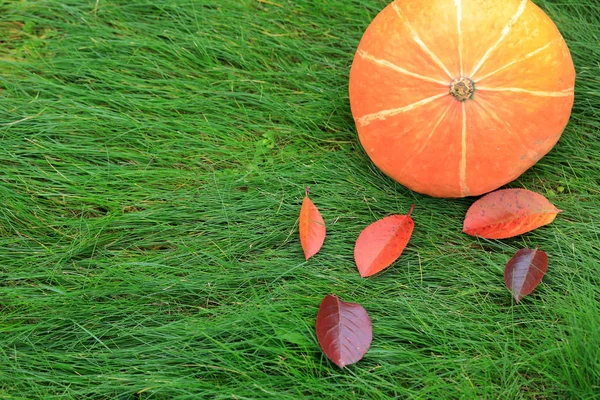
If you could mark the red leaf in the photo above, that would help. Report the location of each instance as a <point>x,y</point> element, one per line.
<point>312,227</point>
<point>343,330</point>
<point>524,271</point>
<point>508,212</point>
<point>382,242</point>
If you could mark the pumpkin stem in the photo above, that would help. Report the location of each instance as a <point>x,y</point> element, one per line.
<point>462,88</point>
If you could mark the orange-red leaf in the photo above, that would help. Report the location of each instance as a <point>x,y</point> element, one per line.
<point>343,330</point>
<point>508,212</point>
<point>382,242</point>
<point>524,271</point>
<point>312,227</point>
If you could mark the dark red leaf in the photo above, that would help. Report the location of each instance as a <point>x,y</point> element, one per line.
<point>312,227</point>
<point>343,330</point>
<point>382,242</point>
<point>524,271</point>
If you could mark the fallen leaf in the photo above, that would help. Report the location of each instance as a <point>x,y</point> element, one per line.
<point>312,227</point>
<point>507,213</point>
<point>524,271</point>
<point>344,330</point>
<point>382,242</point>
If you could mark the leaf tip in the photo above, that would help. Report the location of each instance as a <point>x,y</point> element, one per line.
<point>469,231</point>
<point>309,254</point>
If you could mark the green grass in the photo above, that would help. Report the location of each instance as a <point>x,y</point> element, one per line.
<point>153,160</point>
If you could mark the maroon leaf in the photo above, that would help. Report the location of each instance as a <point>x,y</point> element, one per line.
<point>343,330</point>
<point>524,271</point>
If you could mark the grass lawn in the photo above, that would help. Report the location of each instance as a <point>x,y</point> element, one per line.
<point>153,160</point>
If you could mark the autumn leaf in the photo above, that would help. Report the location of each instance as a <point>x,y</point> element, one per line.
<point>382,242</point>
<point>507,213</point>
<point>524,271</point>
<point>343,330</point>
<point>312,227</point>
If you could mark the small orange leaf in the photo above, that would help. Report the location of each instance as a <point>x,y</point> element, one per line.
<point>382,242</point>
<point>312,227</point>
<point>507,213</point>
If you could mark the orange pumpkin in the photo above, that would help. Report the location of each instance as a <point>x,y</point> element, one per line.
<point>456,98</point>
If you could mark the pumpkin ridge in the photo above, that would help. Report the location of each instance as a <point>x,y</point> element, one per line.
<point>504,33</point>
<point>384,114</point>
<point>562,93</point>
<point>526,57</point>
<point>388,64</point>
<point>462,171</point>
<point>420,42</point>
<point>458,4</point>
